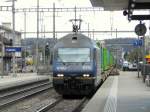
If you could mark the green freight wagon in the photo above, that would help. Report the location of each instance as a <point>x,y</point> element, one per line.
<point>105,59</point>
<point>111,59</point>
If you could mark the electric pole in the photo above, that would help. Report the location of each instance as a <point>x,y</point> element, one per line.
<point>37,43</point>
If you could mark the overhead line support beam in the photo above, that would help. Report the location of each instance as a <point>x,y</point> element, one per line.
<point>95,31</point>
<point>79,9</point>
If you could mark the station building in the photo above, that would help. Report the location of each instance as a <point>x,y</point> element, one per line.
<point>6,40</point>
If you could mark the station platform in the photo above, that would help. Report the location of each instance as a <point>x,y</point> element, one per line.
<point>20,79</point>
<point>123,93</point>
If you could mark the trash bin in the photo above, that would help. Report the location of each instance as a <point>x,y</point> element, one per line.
<point>145,71</point>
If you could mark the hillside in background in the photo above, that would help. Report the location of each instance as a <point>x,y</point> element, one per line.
<point>32,42</point>
<point>127,44</point>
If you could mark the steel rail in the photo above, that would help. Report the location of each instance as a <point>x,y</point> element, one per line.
<point>17,97</point>
<point>49,106</point>
<point>24,89</point>
<point>79,106</point>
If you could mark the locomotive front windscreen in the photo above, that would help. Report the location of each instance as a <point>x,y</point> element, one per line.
<point>73,55</point>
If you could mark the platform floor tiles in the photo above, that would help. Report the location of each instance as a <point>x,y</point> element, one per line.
<point>133,95</point>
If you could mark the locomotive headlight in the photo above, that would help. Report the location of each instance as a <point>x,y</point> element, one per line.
<point>86,67</point>
<point>60,75</point>
<point>86,75</point>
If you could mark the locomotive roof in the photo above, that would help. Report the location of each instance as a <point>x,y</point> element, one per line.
<point>78,35</point>
<point>75,40</point>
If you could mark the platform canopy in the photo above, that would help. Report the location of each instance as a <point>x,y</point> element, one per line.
<point>113,4</point>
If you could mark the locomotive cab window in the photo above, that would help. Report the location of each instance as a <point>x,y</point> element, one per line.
<point>73,55</point>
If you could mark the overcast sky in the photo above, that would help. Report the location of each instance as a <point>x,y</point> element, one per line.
<point>98,20</point>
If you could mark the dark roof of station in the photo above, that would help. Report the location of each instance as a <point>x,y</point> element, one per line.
<point>113,4</point>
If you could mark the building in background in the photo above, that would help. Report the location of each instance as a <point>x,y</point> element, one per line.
<point>6,40</point>
<point>147,45</point>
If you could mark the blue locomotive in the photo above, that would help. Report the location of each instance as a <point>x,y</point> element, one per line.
<point>78,63</point>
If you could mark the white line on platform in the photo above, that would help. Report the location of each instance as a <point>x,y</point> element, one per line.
<point>111,103</point>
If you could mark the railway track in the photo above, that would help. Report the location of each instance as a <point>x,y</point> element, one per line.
<point>51,103</point>
<point>64,105</point>
<point>15,94</point>
<point>49,106</point>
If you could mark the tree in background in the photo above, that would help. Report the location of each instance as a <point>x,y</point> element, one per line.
<point>126,56</point>
<point>133,55</point>
<point>25,54</point>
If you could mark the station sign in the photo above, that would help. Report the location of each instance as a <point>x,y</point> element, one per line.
<point>138,42</point>
<point>12,49</point>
